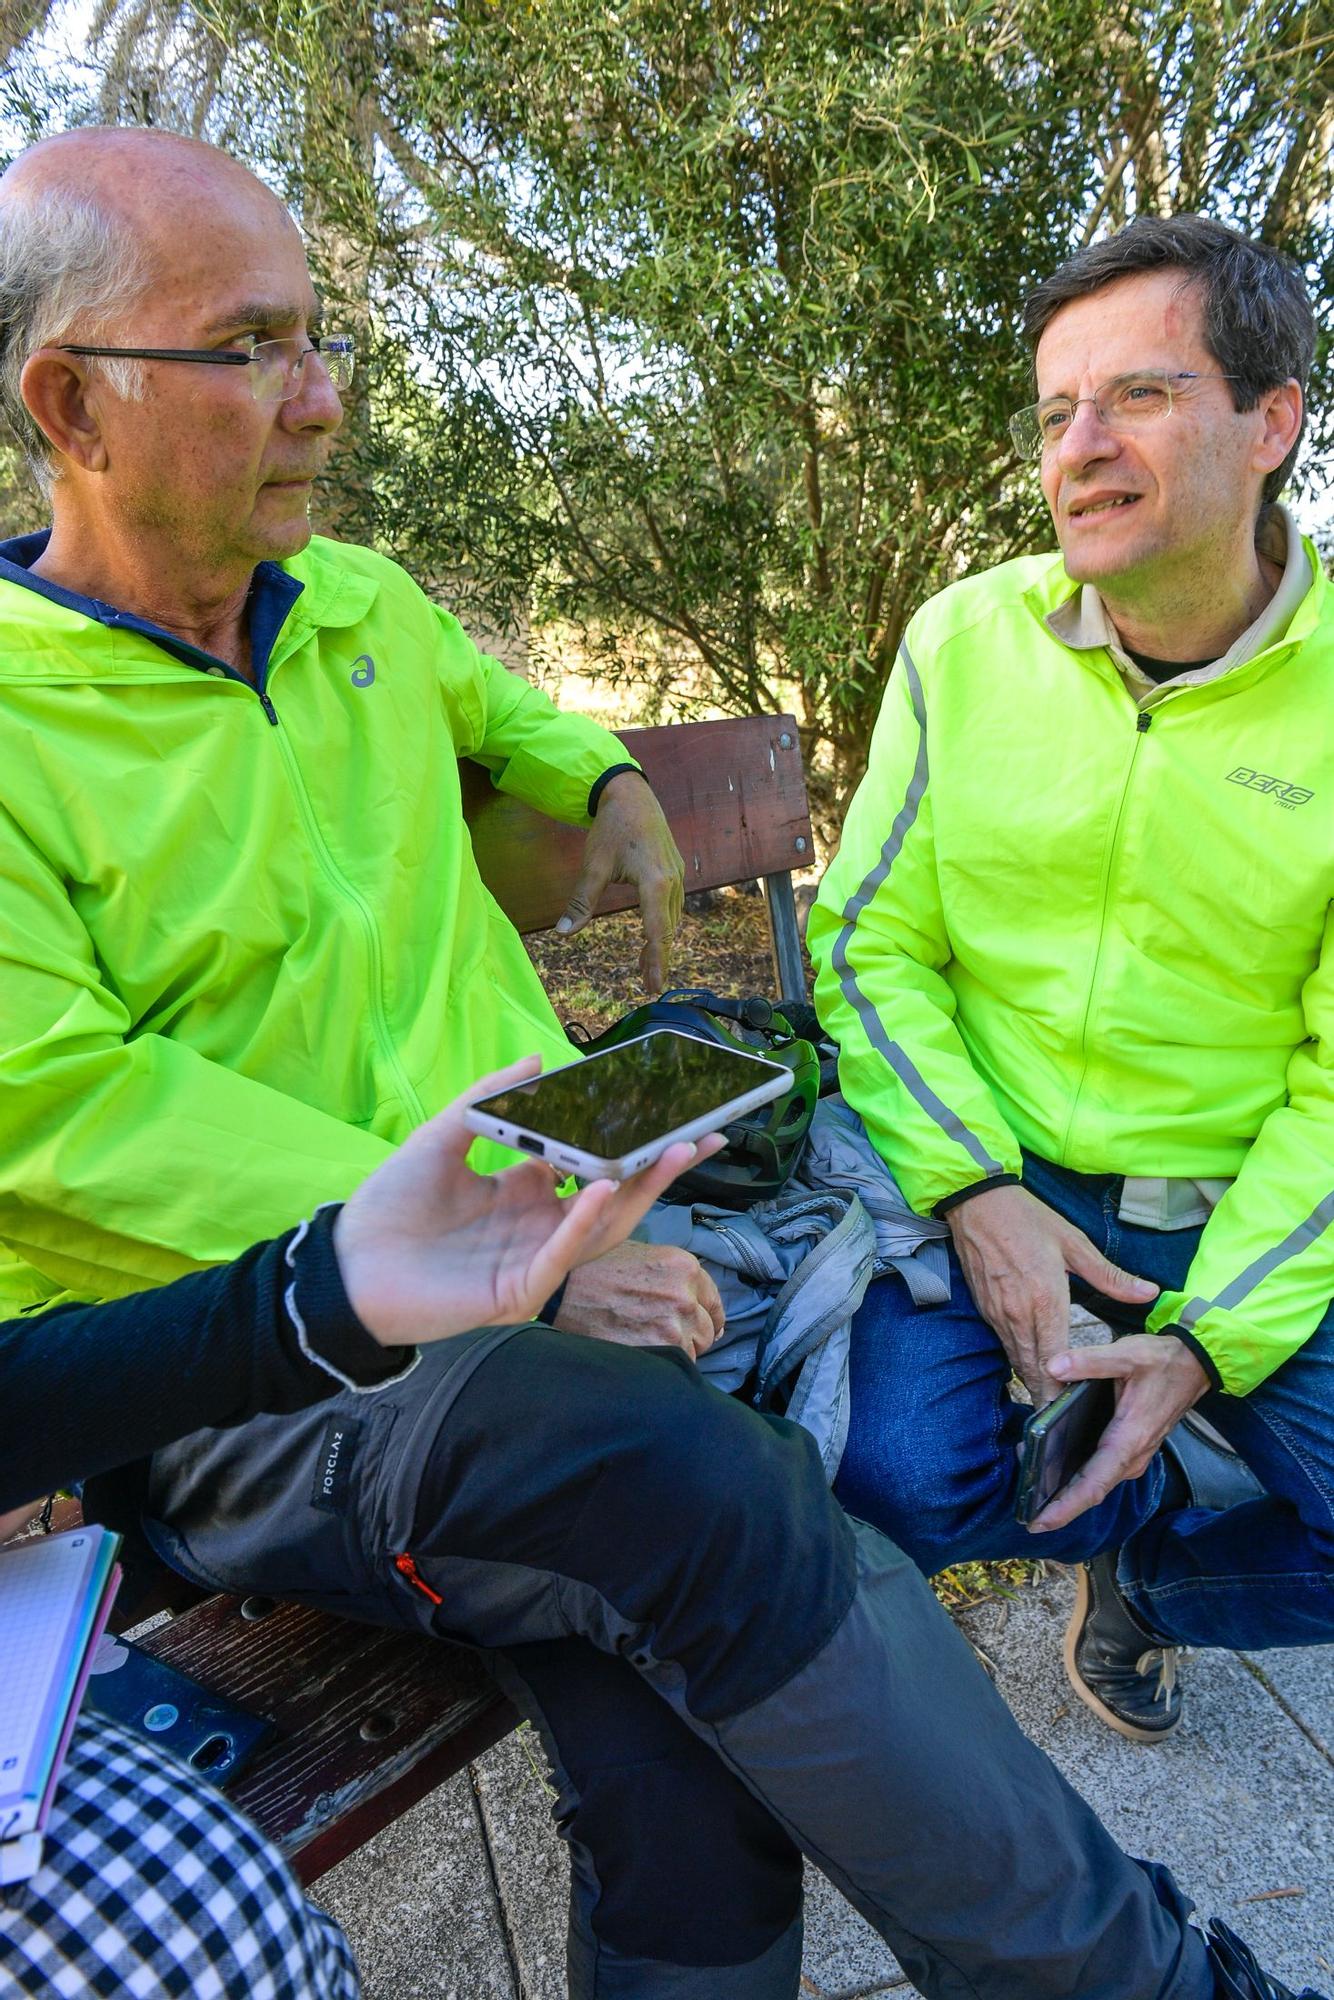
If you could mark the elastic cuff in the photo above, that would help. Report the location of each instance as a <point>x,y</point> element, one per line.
<point>600,785</point>
<point>963,1194</point>
<point>327,1329</point>
<point>1201,1353</point>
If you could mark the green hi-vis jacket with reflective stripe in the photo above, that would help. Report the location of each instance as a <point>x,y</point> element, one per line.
<point>1104,935</point>
<point>240,960</point>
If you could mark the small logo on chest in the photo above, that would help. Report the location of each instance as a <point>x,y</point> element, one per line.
<point>1279,790</point>
<point>363,671</point>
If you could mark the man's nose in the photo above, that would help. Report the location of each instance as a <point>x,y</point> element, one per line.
<point>1085,438</point>
<point>317,405</point>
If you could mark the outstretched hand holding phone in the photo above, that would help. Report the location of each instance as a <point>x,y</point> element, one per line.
<point>428,1248</point>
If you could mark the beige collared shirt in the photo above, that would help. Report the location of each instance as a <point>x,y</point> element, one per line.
<point>1082,623</point>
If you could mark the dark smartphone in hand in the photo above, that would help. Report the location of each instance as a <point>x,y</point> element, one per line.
<point>1058,1441</point>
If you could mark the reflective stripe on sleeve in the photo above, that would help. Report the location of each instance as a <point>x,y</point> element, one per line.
<point>899,1061</point>
<point>1301,1238</point>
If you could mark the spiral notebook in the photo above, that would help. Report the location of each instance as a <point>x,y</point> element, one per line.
<point>56,1592</point>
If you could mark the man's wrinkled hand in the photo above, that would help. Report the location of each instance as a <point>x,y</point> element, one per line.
<point>1016,1255</point>
<point>1158,1380</point>
<point>644,1295</point>
<point>630,841</point>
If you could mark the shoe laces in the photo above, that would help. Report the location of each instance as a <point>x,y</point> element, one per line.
<point>1166,1659</point>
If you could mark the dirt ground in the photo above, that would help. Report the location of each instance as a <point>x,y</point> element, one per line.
<point>593,977</point>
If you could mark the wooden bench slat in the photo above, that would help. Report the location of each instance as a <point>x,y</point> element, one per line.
<point>735,798</point>
<point>321,1786</point>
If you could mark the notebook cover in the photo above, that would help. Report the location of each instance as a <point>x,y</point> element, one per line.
<point>26,1812</point>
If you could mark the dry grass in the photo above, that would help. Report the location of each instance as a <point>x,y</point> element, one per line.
<point>970,1584</point>
<point>593,977</point>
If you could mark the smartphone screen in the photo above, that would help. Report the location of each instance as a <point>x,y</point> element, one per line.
<point>622,1099</point>
<point>1058,1440</point>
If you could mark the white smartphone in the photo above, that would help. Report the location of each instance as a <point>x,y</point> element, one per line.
<point>611,1114</point>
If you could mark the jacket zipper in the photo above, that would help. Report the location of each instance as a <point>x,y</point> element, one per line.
<point>1143,723</point>
<point>216,669</point>
<point>371,935</point>
<point>343,887</point>
<point>405,1566</point>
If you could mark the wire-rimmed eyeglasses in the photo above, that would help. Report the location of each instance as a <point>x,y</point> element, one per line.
<point>276,365</point>
<point>1126,403</point>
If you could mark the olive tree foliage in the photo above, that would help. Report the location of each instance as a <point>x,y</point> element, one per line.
<point>692,327</point>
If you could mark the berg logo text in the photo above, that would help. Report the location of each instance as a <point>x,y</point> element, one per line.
<point>1284,794</point>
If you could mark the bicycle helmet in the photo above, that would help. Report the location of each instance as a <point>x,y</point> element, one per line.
<point>764,1146</point>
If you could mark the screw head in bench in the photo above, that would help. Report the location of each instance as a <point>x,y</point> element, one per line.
<point>377,1725</point>
<point>801,843</point>
<point>785,740</point>
<point>255,1608</point>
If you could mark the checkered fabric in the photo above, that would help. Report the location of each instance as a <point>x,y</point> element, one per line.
<point>153,1887</point>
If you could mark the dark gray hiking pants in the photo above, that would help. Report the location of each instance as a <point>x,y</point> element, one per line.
<point>725,1670</point>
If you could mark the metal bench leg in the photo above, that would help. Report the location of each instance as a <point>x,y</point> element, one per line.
<point>789,970</point>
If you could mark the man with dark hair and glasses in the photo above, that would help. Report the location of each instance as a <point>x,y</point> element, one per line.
<point>1076,947</point>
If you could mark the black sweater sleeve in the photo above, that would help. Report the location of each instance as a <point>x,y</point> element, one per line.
<point>86,1389</point>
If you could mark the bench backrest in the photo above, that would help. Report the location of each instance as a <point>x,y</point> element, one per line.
<point>734,794</point>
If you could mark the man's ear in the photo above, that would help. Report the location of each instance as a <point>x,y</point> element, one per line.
<point>1281,410</point>
<point>58,390</point>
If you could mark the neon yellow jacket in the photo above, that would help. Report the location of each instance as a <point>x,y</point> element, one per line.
<point>239,961</point>
<point>1058,923</point>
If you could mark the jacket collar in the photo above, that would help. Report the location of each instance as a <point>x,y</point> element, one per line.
<point>288,602</point>
<point>1081,621</point>
<point>1304,581</point>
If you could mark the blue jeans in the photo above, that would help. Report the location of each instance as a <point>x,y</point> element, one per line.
<point>931,1452</point>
